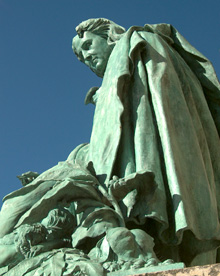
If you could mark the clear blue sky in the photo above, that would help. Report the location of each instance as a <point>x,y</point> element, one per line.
<point>43,85</point>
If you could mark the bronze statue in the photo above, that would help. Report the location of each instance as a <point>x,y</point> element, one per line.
<point>146,189</point>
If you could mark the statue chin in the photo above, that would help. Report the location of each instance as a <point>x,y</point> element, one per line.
<point>99,70</point>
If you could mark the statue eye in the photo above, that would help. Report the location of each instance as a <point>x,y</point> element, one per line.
<point>87,45</point>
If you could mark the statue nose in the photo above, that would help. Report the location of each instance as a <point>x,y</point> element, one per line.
<point>87,56</point>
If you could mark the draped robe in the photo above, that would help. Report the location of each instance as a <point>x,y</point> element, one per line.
<point>158,110</point>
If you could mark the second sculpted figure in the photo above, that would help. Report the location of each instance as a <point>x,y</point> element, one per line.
<point>146,189</point>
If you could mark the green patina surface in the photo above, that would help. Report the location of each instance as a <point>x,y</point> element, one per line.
<point>146,189</point>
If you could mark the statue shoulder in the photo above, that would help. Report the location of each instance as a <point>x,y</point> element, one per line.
<point>79,154</point>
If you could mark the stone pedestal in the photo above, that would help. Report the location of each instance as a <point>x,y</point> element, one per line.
<point>208,270</point>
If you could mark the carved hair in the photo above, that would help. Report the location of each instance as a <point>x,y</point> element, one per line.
<point>59,222</point>
<point>103,27</point>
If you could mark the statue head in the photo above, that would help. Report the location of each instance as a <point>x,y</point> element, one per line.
<point>94,42</point>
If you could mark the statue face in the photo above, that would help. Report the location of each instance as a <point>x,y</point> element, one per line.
<point>93,50</point>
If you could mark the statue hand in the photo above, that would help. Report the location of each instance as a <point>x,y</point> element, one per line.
<point>35,250</point>
<point>115,182</point>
